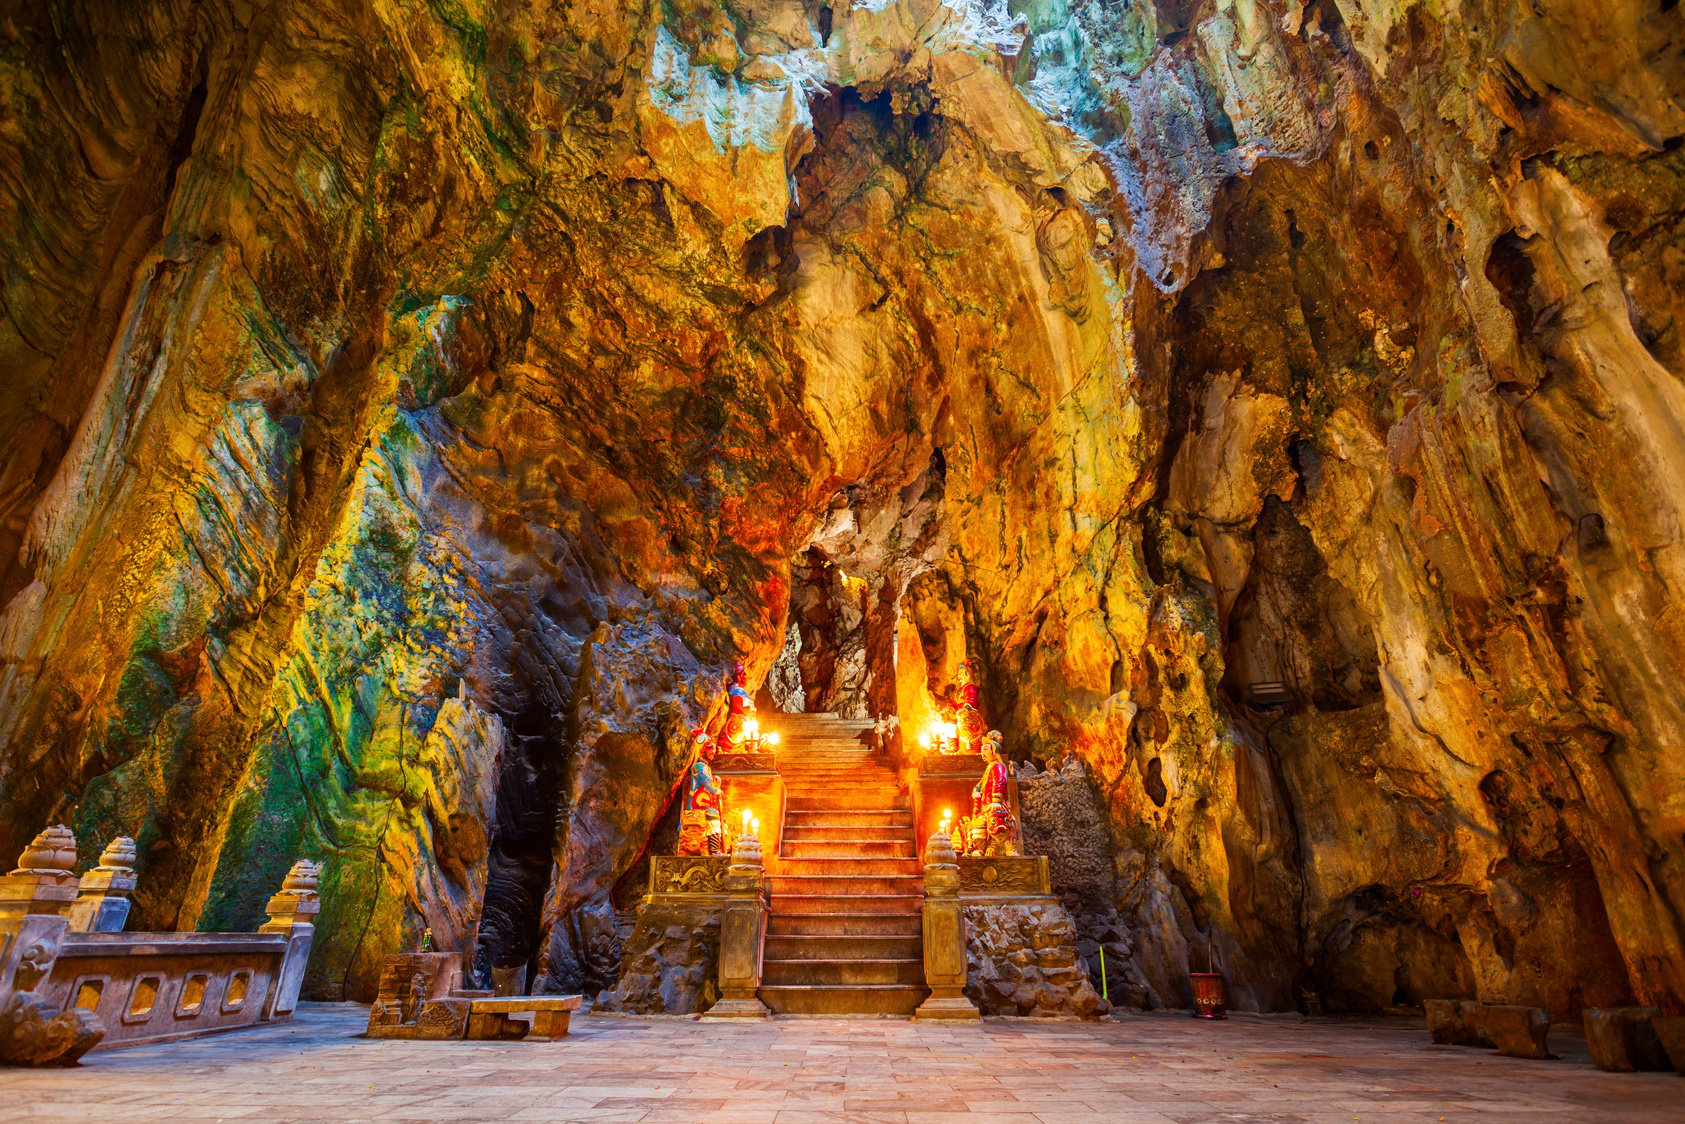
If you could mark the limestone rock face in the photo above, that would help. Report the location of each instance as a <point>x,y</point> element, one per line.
<point>670,964</point>
<point>1023,960</point>
<point>413,410</point>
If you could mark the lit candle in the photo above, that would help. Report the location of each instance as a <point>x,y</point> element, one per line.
<point>755,828</point>
<point>924,740</point>
<point>746,815</point>
<point>772,739</point>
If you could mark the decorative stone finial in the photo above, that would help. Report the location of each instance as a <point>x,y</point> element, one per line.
<point>119,855</point>
<point>303,878</point>
<point>940,850</point>
<point>746,851</point>
<point>296,902</point>
<point>51,852</point>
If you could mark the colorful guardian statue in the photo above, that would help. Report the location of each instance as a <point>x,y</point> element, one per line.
<point>965,711</point>
<point>990,829</point>
<point>701,831</point>
<point>742,709</point>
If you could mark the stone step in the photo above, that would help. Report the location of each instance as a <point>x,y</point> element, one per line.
<point>828,885</point>
<point>849,971</point>
<point>828,923</point>
<point>816,825</point>
<point>861,903</point>
<point>865,999</point>
<point>839,760</point>
<point>841,772</point>
<point>851,865</point>
<point>850,804</point>
<point>848,833</point>
<point>864,946</point>
<point>795,850</point>
<point>849,817</point>
<point>821,799</point>
<point>842,783</point>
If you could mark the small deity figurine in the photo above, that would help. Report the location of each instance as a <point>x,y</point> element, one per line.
<point>990,828</point>
<point>965,710</point>
<point>701,831</point>
<point>742,705</point>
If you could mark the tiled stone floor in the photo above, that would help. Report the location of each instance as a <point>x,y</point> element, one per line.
<point>807,1071</point>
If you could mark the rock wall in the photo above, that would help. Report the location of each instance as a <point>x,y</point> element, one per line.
<point>670,963</point>
<point>413,409</point>
<point>1022,959</point>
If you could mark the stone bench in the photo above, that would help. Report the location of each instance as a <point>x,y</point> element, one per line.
<point>1516,1032</point>
<point>500,1016</point>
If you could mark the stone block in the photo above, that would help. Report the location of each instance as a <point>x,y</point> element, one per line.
<point>416,997</point>
<point>1450,1025</point>
<point>1518,1032</point>
<point>1622,1039</point>
<point>1670,1031</point>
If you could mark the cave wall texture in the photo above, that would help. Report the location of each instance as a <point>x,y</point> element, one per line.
<point>412,407</point>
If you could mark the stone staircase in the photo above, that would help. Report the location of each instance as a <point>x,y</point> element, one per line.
<point>843,937</point>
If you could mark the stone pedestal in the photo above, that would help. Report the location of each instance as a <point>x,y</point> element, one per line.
<point>102,899</point>
<point>292,911</point>
<point>419,997</point>
<point>742,935</point>
<point>944,936</point>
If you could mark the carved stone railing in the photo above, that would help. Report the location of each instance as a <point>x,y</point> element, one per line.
<point>688,874</point>
<point>71,980</point>
<point>1004,876</point>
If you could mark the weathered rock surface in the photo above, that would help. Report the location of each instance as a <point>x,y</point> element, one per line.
<point>669,965</point>
<point>412,410</point>
<point>1022,959</point>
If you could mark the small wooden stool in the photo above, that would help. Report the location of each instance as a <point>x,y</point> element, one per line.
<point>494,1017</point>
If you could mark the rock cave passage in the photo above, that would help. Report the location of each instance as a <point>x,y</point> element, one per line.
<point>530,517</point>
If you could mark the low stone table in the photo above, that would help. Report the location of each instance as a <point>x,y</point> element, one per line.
<point>494,1017</point>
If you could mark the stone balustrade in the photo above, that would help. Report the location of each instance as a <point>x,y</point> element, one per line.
<point>71,979</point>
<point>944,935</point>
<point>742,934</point>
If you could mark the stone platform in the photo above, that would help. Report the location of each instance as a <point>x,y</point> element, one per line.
<point>1140,1070</point>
